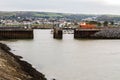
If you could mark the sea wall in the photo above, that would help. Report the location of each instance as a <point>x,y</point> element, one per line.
<point>105,33</point>
<point>13,68</point>
<point>16,34</point>
<point>85,33</point>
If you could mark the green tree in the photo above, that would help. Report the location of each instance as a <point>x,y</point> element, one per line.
<point>99,24</point>
<point>92,22</point>
<point>112,23</point>
<point>105,23</point>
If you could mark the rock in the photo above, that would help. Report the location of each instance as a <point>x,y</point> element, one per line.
<point>112,33</point>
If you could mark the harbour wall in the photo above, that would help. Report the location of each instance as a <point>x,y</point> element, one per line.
<point>16,34</point>
<point>85,33</point>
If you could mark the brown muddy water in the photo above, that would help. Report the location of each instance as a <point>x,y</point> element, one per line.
<point>69,58</point>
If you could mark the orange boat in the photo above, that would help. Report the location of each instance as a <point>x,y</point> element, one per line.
<point>87,26</point>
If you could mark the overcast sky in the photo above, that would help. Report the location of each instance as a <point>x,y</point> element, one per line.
<point>64,6</point>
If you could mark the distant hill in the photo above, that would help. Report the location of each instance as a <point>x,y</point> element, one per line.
<point>32,14</point>
<point>108,18</point>
<point>59,15</point>
<point>7,13</point>
<point>44,15</point>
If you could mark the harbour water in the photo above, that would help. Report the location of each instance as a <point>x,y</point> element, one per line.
<point>69,58</point>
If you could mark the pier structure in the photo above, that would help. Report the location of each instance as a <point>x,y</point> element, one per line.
<point>57,33</point>
<point>78,33</point>
<point>85,33</point>
<point>15,33</point>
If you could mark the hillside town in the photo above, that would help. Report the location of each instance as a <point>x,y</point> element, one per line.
<point>50,22</point>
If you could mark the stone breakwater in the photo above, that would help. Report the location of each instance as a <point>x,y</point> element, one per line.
<point>13,68</point>
<point>113,33</point>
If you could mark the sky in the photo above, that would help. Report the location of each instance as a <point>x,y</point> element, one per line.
<point>63,6</point>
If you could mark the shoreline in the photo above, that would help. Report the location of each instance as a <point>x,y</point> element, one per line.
<point>13,68</point>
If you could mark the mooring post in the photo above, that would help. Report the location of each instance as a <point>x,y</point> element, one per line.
<point>58,34</point>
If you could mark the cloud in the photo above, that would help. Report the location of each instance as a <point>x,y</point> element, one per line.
<point>112,2</point>
<point>72,6</point>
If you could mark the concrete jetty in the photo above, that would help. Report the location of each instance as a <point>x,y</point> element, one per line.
<point>57,33</point>
<point>15,33</point>
<point>85,33</point>
<point>78,33</point>
<point>96,33</point>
